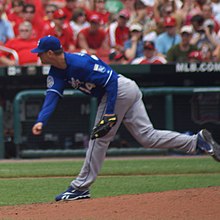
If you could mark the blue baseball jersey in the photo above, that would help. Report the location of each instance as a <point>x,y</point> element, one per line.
<point>86,73</point>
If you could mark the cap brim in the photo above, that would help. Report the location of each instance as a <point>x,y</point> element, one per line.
<point>95,21</point>
<point>136,30</point>
<point>60,17</point>
<point>37,50</point>
<point>186,32</point>
<point>123,16</point>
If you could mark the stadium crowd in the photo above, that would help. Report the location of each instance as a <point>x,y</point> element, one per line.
<point>118,31</point>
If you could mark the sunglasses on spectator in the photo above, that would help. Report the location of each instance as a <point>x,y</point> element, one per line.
<point>48,12</point>
<point>23,30</point>
<point>185,34</point>
<point>29,12</point>
<point>135,31</point>
<point>60,18</point>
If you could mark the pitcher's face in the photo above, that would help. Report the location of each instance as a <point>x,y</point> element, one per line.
<point>44,57</point>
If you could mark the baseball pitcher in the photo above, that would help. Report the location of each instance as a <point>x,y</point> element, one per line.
<point>120,100</point>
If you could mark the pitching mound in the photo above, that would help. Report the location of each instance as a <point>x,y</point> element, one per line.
<point>190,204</point>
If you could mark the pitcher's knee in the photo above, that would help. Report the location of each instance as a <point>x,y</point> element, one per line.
<point>148,141</point>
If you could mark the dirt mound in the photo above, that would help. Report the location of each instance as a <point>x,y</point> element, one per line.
<point>190,204</point>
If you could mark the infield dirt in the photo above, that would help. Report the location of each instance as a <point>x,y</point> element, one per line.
<point>190,204</point>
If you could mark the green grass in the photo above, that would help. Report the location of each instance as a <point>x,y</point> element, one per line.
<point>27,182</point>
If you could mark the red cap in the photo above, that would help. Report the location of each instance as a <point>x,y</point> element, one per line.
<point>124,13</point>
<point>149,45</point>
<point>59,14</point>
<point>196,54</point>
<point>169,22</point>
<point>95,18</point>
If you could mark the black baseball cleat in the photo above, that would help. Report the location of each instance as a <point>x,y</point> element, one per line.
<point>73,194</point>
<point>207,144</point>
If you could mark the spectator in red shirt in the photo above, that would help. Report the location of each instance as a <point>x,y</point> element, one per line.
<point>99,9</point>
<point>69,8</point>
<point>15,15</point>
<point>39,7</point>
<point>93,39</point>
<point>150,55</point>
<point>48,19</point>
<point>78,22</point>
<point>118,33</point>
<point>62,30</point>
<point>195,57</point>
<point>22,45</point>
<point>36,21</point>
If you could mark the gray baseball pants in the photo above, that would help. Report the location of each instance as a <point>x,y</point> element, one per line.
<point>131,111</point>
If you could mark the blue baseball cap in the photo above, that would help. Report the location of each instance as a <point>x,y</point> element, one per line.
<point>47,43</point>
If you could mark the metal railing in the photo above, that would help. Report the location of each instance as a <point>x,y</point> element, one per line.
<point>167,92</point>
<point>40,93</point>
<point>13,52</point>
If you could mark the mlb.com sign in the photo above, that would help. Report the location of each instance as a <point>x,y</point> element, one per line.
<point>198,67</point>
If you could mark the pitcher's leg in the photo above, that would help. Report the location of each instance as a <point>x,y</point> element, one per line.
<point>127,93</point>
<point>93,162</point>
<point>140,126</point>
<point>92,165</point>
<point>95,156</point>
<point>97,151</point>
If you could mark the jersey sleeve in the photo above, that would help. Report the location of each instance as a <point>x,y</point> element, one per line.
<point>56,82</point>
<point>111,91</point>
<point>48,107</point>
<point>55,88</point>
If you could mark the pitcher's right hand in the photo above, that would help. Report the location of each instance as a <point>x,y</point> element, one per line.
<point>37,128</point>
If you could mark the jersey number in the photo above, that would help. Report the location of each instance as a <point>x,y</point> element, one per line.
<point>88,87</point>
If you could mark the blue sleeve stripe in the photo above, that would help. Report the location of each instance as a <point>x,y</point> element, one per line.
<point>53,90</point>
<point>108,79</point>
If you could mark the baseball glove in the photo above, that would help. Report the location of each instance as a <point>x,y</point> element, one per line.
<point>104,126</point>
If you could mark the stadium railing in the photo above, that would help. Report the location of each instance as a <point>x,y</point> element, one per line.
<point>11,51</point>
<point>167,92</point>
<point>21,96</point>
